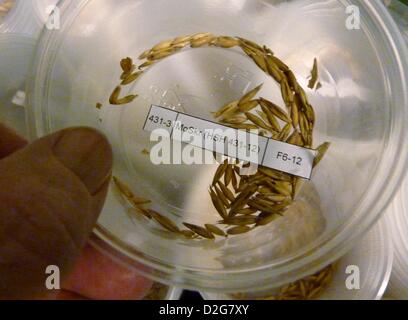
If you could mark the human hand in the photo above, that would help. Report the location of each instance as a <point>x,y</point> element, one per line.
<point>52,192</point>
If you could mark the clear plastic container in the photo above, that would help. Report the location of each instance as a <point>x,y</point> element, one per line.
<point>21,22</point>
<point>373,256</point>
<point>361,109</point>
<point>174,293</point>
<point>15,61</point>
<point>398,219</point>
<point>163,292</point>
<point>6,6</point>
<point>399,11</point>
<point>43,9</point>
<point>397,213</point>
<point>26,17</point>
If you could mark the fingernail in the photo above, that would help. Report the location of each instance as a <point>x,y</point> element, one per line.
<point>86,153</point>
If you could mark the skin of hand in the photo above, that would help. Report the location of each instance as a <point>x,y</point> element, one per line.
<point>52,192</point>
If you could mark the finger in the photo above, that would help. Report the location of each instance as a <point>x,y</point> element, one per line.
<point>84,153</point>
<point>48,206</point>
<point>61,295</point>
<point>96,276</point>
<point>66,295</point>
<point>10,141</point>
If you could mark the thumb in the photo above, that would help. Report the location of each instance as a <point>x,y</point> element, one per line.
<point>51,195</point>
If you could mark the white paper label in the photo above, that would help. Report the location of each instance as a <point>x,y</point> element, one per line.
<point>239,144</point>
